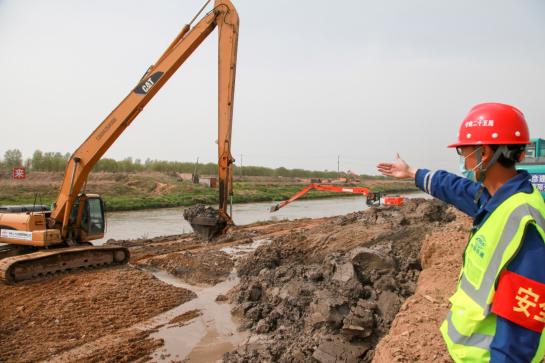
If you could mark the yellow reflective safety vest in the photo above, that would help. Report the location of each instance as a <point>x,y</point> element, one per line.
<point>469,327</point>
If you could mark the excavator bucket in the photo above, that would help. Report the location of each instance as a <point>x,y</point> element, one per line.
<point>205,221</point>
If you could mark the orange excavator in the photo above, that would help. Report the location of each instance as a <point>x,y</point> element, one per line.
<point>372,198</point>
<point>38,241</point>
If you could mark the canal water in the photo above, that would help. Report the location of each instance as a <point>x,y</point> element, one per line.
<point>169,221</point>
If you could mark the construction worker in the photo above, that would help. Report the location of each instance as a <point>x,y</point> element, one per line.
<point>498,309</point>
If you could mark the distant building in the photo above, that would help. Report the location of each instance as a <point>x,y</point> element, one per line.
<point>211,182</point>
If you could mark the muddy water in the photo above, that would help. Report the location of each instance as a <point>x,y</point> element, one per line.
<point>205,338</point>
<point>169,221</point>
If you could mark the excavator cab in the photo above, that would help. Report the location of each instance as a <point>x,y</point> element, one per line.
<point>373,198</point>
<point>87,217</point>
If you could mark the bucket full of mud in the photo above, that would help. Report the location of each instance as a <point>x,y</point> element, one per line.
<point>205,221</point>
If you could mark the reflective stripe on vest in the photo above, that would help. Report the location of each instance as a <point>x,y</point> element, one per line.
<point>482,341</point>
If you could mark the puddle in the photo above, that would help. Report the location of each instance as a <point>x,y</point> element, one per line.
<point>242,250</point>
<point>211,334</point>
<point>205,338</point>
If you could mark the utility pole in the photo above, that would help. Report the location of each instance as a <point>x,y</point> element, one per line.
<point>241,173</point>
<point>338,165</point>
<point>195,176</point>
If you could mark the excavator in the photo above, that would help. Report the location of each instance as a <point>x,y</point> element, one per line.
<point>40,241</point>
<point>372,197</point>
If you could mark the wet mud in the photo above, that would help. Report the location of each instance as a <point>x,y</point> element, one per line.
<point>312,296</point>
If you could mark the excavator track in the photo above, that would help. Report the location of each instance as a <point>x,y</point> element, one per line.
<point>37,264</point>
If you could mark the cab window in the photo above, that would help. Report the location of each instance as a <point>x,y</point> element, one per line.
<point>93,217</point>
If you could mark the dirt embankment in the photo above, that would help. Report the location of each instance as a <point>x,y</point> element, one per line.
<point>415,336</point>
<point>330,292</point>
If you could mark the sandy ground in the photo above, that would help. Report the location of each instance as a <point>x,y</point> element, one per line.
<point>322,290</point>
<point>40,319</point>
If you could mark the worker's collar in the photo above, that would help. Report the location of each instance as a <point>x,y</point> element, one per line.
<point>518,183</point>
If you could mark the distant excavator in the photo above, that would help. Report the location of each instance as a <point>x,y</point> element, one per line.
<point>40,241</point>
<point>371,197</point>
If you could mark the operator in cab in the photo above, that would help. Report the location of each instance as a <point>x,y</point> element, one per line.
<point>497,312</point>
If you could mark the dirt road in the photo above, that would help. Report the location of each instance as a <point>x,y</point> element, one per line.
<point>307,290</point>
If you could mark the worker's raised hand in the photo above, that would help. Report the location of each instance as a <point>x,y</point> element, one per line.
<point>398,169</point>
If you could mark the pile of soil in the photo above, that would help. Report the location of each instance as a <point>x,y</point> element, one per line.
<point>41,318</point>
<point>330,292</point>
<point>195,267</point>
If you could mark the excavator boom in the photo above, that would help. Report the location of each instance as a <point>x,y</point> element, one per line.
<point>79,166</point>
<point>77,217</point>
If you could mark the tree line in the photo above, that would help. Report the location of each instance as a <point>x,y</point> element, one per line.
<point>56,162</point>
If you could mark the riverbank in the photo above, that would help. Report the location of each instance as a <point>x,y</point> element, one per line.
<point>150,190</point>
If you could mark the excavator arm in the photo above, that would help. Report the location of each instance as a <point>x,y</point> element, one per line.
<point>225,17</point>
<point>325,188</point>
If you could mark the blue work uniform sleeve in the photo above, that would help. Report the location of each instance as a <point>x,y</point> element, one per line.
<point>512,342</point>
<point>450,188</point>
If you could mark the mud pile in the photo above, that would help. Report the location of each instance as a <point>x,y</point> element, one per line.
<point>329,293</point>
<point>194,267</point>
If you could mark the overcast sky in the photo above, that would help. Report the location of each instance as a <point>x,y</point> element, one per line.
<point>315,79</point>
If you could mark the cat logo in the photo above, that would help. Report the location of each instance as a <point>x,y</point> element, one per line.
<point>148,83</point>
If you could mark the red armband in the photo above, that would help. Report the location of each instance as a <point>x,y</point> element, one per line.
<point>520,300</point>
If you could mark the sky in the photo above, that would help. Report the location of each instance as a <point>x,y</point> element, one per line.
<point>316,79</point>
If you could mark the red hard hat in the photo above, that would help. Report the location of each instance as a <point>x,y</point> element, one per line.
<point>493,124</point>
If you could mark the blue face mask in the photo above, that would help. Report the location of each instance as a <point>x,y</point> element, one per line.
<point>468,173</point>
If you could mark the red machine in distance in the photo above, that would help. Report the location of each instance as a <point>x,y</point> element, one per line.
<point>372,197</point>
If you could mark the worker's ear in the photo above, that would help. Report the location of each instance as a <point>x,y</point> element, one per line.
<point>487,153</point>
